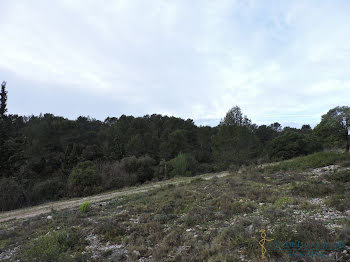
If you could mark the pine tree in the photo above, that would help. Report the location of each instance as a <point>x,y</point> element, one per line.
<point>3,100</point>
<point>3,133</point>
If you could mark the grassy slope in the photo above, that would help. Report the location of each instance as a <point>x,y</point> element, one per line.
<point>205,220</point>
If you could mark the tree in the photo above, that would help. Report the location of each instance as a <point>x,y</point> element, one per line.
<point>83,179</point>
<point>12,194</point>
<point>266,134</point>
<point>235,146</point>
<point>334,128</point>
<point>292,144</point>
<point>234,117</point>
<point>4,133</point>
<point>3,100</point>
<point>180,165</point>
<point>306,129</point>
<point>142,167</point>
<point>276,127</point>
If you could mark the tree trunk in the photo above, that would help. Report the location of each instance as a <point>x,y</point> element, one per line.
<point>347,143</point>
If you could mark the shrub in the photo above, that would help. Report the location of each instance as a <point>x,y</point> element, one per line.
<point>83,179</point>
<point>313,189</point>
<point>228,206</point>
<point>198,215</point>
<point>181,165</point>
<point>283,201</point>
<point>114,175</point>
<point>313,230</point>
<point>344,235</point>
<point>162,171</point>
<point>339,201</point>
<point>273,212</point>
<point>142,167</point>
<point>12,194</point>
<point>111,228</point>
<point>54,246</point>
<point>49,189</point>
<point>340,176</point>
<point>292,144</point>
<point>85,207</point>
<point>315,160</point>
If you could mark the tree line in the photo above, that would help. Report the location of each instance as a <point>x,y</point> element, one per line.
<point>49,157</point>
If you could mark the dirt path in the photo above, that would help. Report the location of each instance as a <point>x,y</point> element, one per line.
<point>63,204</point>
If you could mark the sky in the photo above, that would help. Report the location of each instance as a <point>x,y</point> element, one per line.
<point>280,61</point>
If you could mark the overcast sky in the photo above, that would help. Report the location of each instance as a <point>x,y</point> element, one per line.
<point>285,61</point>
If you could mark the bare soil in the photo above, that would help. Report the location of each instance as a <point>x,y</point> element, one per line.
<point>71,203</point>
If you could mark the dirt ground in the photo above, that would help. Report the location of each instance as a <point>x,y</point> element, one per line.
<point>71,203</point>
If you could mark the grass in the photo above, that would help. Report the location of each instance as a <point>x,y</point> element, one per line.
<point>61,245</point>
<point>315,160</point>
<point>85,207</point>
<point>205,220</point>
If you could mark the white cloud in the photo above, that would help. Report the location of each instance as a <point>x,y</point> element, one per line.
<point>193,59</point>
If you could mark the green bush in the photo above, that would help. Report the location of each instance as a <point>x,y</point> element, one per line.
<point>162,171</point>
<point>83,179</point>
<point>112,228</point>
<point>339,201</point>
<point>12,194</point>
<point>114,175</point>
<point>142,167</point>
<point>340,176</point>
<point>55,246</point>
<point>315,160</point>
<point>292,144</point>
<point>283,201</point>
<point>180,165</point>
<point>50,189</point>
<point>85,207</point>
<point>313,189</point>
<point>313,230</point>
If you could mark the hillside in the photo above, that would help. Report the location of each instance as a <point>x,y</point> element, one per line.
<point>305,199</point>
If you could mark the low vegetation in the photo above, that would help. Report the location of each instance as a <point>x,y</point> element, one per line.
<point>85,207</point>
<point>320,159</point>
<point>204,220</point>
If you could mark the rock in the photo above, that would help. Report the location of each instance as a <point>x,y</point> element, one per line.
<point>118,255</point>
<point>49,217</point>
<point>250,229</point>
<point>189,230</point>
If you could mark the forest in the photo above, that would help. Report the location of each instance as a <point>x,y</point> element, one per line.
<point>50,157</point>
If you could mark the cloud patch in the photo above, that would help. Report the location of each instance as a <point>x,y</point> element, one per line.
<point>285,62</point>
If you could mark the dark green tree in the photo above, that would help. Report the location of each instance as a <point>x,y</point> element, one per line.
<point>83,179</point>
<point>3,100</point>
<point>306,129</point>
<point>234,146</point>
<point>292,144</point>
<point>333,130</point>
<point>180,165</point>
<point>4,133</point>
<point>266,134</point>
<point>234,117</point>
